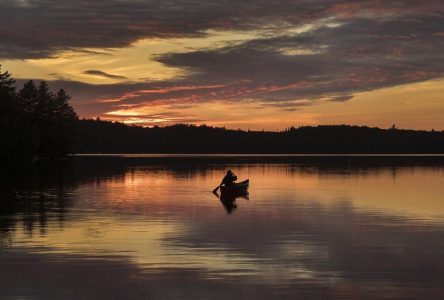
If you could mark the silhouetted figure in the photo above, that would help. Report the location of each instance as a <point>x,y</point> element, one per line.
<point>229,179</point>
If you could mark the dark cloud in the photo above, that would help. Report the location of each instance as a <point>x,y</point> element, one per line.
<point>103,74</point>
<point>41,28</point>
<point>330,62</point>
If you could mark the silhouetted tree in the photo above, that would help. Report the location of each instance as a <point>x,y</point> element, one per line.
<point>65,122</point>
<point>16,134</point>
<point>8,113</point>
<point>97,136</point>
<point>37,121</point>
<point>28,96</point>
<point>44,120</point>
<point>6,81</point>
<point>34,121</point>
<point>52,116</point>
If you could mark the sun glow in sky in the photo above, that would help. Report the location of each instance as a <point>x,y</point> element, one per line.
<point>255,64</point>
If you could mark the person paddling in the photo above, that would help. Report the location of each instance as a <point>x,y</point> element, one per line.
<point>228,180</point>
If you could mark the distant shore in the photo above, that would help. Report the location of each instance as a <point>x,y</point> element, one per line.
<point>98,136</point>
<point>209,155</point>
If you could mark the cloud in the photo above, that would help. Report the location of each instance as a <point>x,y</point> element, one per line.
<point>145,117</point>
<point>348,47</point>
<point>358,55</point>
<point>103,74</point>
<point>41,28</point>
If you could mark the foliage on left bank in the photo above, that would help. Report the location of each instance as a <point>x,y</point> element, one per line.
<point>34,122</point>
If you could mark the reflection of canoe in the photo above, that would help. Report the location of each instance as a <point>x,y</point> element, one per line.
<point>236,187</point>
<point>233,195</point>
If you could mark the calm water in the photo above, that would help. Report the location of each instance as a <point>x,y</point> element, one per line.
<point>130,229</point>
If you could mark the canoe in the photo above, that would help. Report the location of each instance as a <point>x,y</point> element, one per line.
<point>236,187</point>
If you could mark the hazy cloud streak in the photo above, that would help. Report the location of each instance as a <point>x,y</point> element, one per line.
<point>104,74</point>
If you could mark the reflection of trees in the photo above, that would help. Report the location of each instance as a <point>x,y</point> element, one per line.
<point>36,196</point>
<point>41,194</point>
<point>33,209</point>
<point>362,248</point>
<point>201,165</point>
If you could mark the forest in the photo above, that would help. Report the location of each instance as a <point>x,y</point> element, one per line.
<point>37,123</point>
<point>98,136</point>
<point>34,122</point>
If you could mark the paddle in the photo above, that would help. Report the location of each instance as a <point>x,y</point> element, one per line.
<point>215,190</point>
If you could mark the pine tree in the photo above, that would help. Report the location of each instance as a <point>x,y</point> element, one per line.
<point>62,108</point>
<point>34,121</point>
<point>52,116</point>
<point>43,108</point>
<point>65,122</point>
<point>28,96</point>
<point>16,134</point>
<point>6,81</point>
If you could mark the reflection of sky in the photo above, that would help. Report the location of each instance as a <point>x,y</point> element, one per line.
<point>329,227</point>
<point>151,245</point>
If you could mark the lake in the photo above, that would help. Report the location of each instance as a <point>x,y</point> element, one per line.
<point>149,227</point>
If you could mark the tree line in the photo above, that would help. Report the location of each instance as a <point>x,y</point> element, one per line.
<point>34,121</point>
<point>98,136</point>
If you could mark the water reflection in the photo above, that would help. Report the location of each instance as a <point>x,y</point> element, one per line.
<point>131,229</point>
<point>228,200</point>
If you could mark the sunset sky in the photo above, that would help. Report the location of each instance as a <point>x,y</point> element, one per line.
<point>251,64</point>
